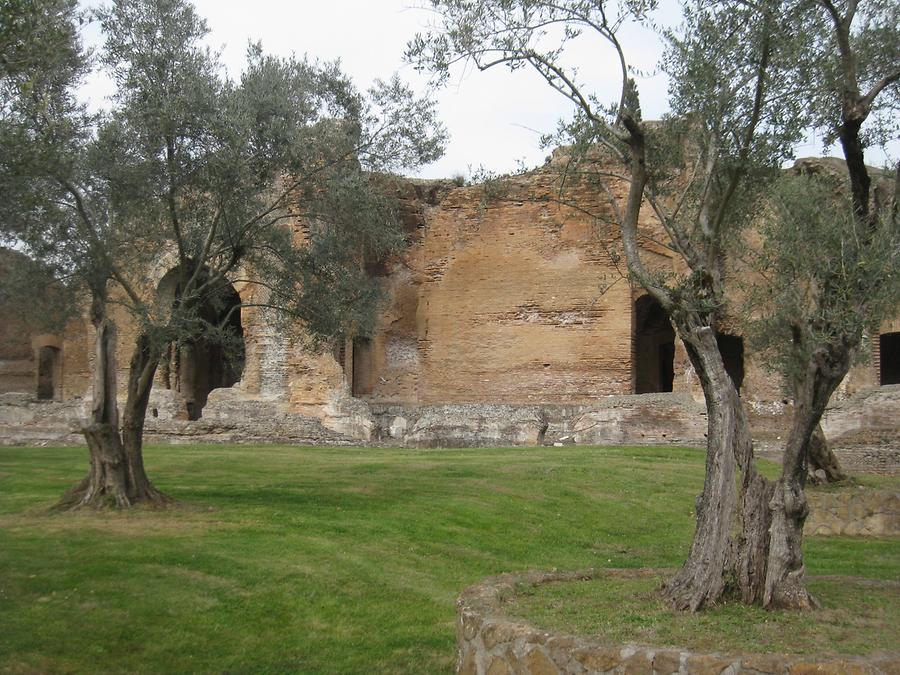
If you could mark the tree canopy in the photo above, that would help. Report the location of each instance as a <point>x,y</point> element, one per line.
<point>265,180</point>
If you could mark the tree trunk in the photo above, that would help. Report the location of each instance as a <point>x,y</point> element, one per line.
<point>821,458</point>
<point>144,362</point>
<point>702,579</point>
<point>751,550</point>
<point>116,477</point>
<point>784,587</point>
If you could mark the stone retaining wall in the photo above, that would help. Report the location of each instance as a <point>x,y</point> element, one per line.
<point>634,419</point>
<point>489,643</point>
<point>233,416</point>
<point>853,512</point>
<point>226,419</point>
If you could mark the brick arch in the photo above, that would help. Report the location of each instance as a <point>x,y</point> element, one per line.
<point>196,368</point>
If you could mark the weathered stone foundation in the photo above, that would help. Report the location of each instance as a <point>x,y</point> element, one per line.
<point>490,643</point>
<point>235,416</point>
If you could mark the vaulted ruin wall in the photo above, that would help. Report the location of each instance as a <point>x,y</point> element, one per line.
<point>511,298</point>
<point>503,299</point>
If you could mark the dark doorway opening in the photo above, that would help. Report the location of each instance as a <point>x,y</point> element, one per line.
<point>889,349</point>
<point>731,347</point>
<point>363,371</point>
<point>653,348</point>
<point>215,358</point>
<point>48,367</point>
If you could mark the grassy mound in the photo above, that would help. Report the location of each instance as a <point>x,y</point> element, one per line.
<point>858,617</point>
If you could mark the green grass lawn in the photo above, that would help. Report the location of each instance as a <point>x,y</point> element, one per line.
<point>325,560</point>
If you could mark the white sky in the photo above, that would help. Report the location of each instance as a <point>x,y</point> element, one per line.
<point>495,118</point>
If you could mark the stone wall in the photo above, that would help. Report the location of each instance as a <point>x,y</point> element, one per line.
<point>26,421</point>
<point>644,419</point>
<point>229,418</point>
<point>853,511</point>
<point>234,415</point>
<point>490,643</point>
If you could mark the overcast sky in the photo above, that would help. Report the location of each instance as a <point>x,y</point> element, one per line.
<point>495,118</point>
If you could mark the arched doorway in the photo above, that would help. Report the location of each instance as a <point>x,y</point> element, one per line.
<point>653,347</point>
<point>48,373</point>
<point>889,357</point>
<point>211,353</point>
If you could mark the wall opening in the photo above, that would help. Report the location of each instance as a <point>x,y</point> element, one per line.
<point>48,374</point>
<point>889,350</point>
<point>212,360</point>
<point>363,380</point>
<point>731,347</point>
<point>653,347</point>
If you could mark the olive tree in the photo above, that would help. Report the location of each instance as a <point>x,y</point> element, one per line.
<point>833,260</point>
<point>191,165</point>
<point>740,99</point>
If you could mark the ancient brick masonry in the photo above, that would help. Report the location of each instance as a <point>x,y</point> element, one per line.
<point>509,302</point>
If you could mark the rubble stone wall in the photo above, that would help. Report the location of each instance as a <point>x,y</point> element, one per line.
<point>490,643</point>
<point>862,512</point>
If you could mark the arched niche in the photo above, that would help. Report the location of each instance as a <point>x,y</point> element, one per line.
<point>653,347</point>
<point>48,359</point>
<point>48,365</point>
<point>214,357</point>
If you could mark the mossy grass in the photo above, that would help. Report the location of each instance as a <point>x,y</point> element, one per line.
<point>325,560</point>
<point>858,617</point>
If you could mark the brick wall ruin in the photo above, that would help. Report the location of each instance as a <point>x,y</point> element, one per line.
<point>512,299</point>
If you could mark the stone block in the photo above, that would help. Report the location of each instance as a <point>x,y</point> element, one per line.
<point>15,398</point>
<point>638,664</point>
<point>852,528</point>
<point>467,665</point>
<point>764,663</point>
<point>666,662</point>
<point>471,624</point>
<point>502,632</point>
<point>536,662</point>
<point>397,428</point>
<point>564,642</point>
<point>599,658</point>
<point>707,664</point>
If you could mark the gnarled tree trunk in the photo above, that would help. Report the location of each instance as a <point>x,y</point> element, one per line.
<point>702,579</point>
<point>144,362</point>
<point>116,477</point>
<point>731,540</point>
<point>784,587</point>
